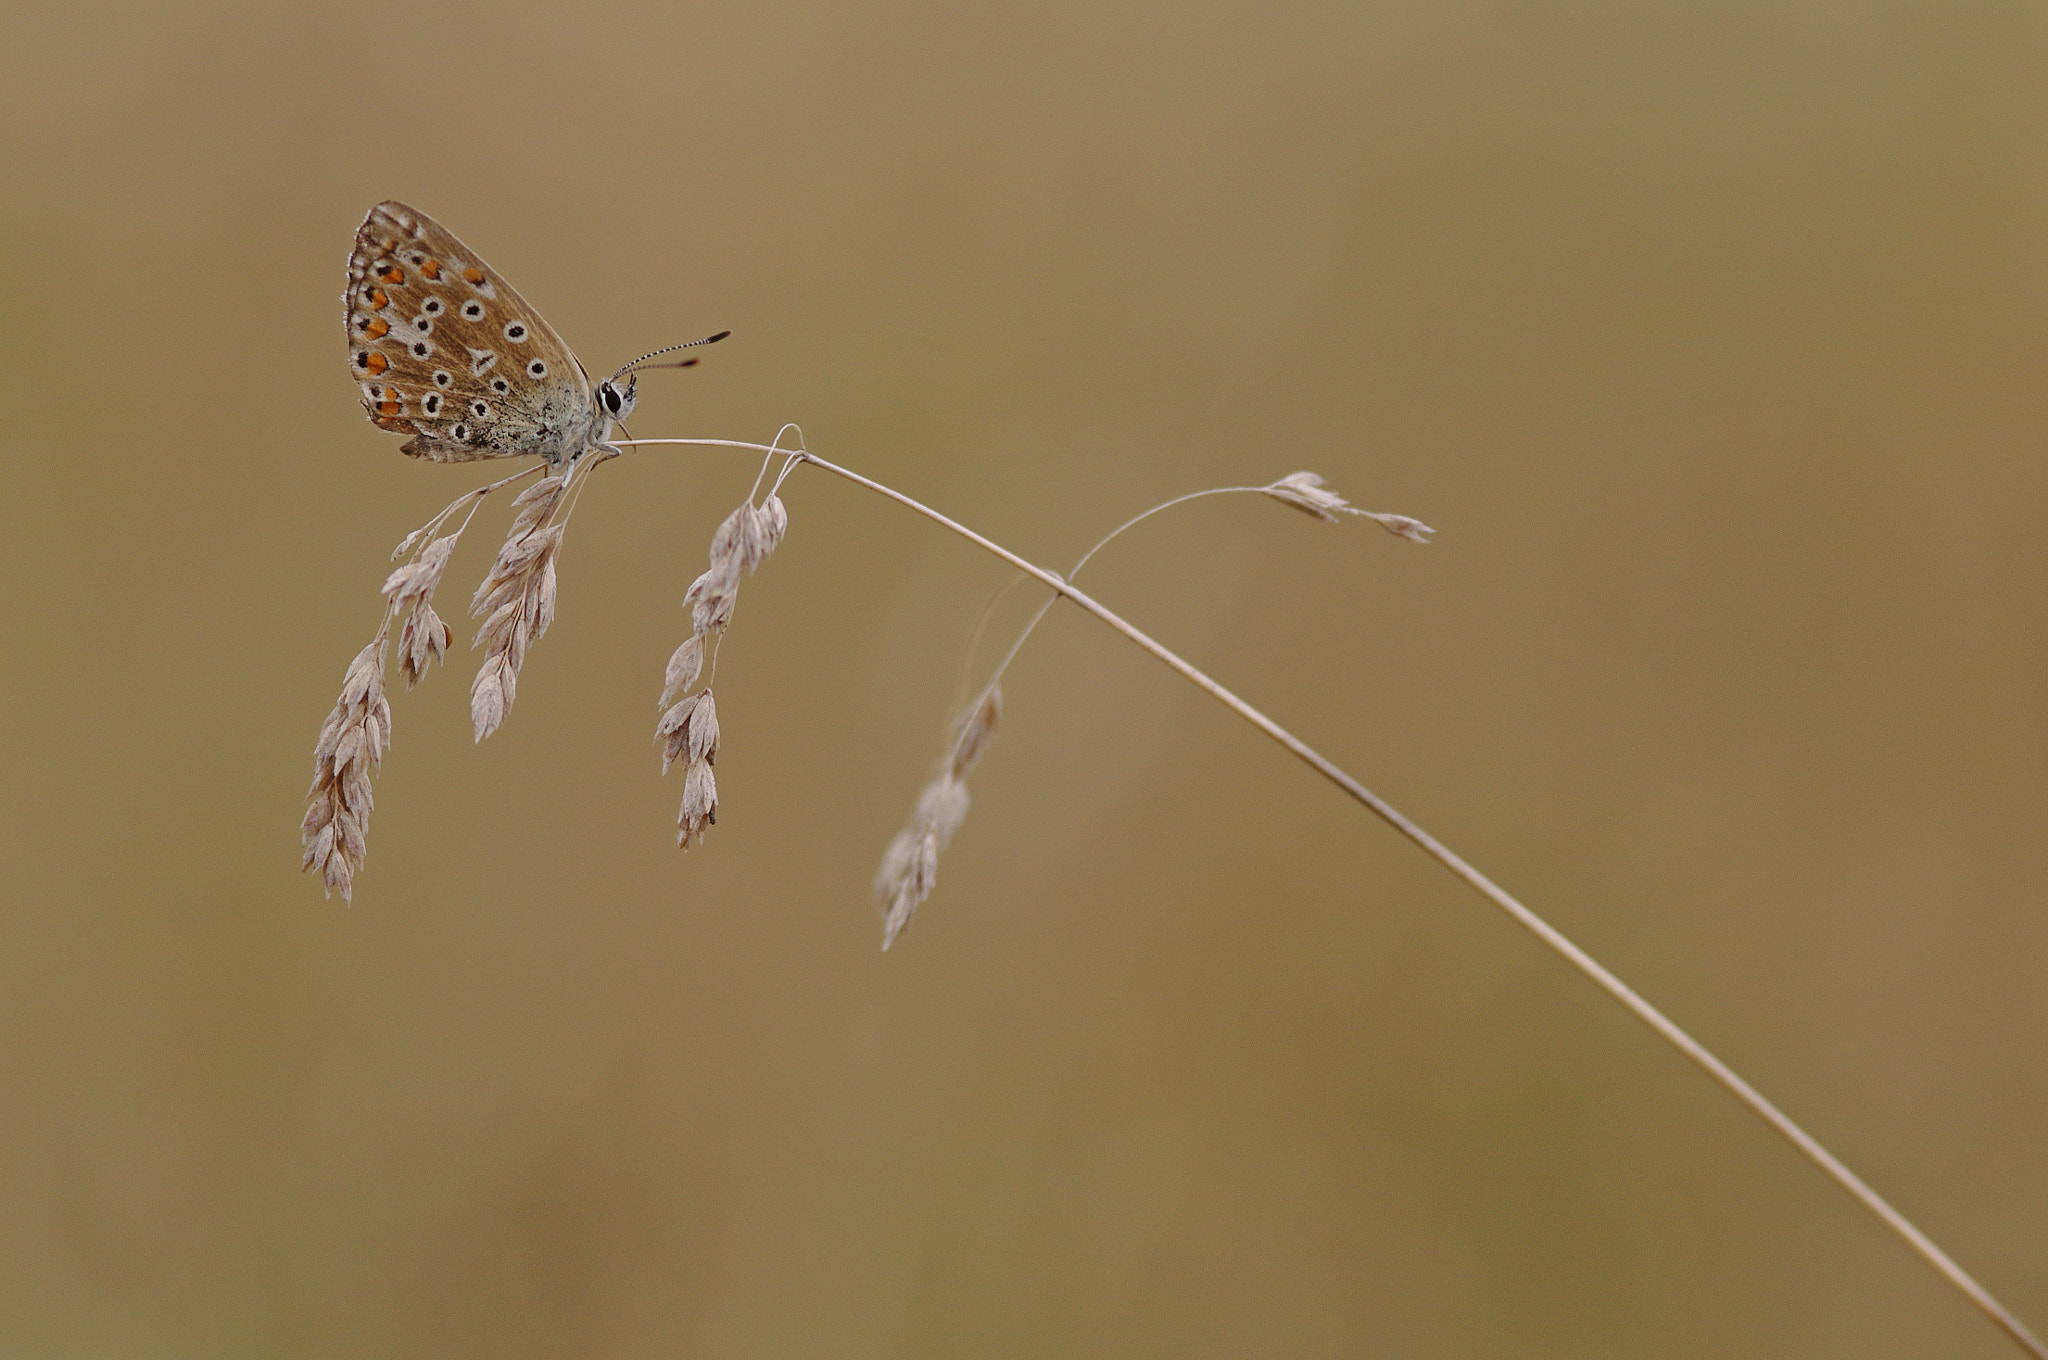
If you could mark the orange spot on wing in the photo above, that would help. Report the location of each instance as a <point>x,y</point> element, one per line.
<point>378,302</point>
<point>473,274</point>
<point>378,328</point>
<point>393,275</point>
<point>389,408</point>
<point>432,269</point>
<point>376,363</point>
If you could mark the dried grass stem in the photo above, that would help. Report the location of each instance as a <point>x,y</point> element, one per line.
<point>1642,1010</point>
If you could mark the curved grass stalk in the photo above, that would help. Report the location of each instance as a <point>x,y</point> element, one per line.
<point>1724,1075</point>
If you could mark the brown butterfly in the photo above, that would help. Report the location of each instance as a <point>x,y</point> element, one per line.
<point>447,352</point>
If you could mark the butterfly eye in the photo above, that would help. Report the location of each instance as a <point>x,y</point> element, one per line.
<point>611,398</point>
<point>514,331</point>
<point>537,369</point>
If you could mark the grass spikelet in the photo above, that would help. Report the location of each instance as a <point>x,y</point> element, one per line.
<point>684,666</point>
<point>689,731</point>
<point>977,730</point>
<point>700,804</point>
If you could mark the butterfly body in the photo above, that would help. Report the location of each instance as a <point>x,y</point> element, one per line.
<point>446,351</point>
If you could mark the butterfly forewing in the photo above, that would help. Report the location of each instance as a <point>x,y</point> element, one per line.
<point>446,351</point>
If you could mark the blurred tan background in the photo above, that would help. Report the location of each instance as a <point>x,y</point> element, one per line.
<point>1710,336</point>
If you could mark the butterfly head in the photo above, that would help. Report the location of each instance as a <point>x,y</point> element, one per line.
<point>613,401</point>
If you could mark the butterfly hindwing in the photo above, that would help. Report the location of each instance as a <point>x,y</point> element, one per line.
<point>448,352</point>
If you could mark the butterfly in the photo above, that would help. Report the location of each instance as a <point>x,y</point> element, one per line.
<point>447,352</point>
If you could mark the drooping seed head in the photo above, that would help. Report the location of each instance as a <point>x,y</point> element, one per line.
<point>1304,491</point>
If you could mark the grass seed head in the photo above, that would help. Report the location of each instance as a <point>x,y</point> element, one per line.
<point>1304,491</point>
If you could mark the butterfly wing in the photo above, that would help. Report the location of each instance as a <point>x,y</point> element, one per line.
<point>447,352</point>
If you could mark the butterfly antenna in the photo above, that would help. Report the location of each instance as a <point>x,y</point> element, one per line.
<point>687,363</point>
